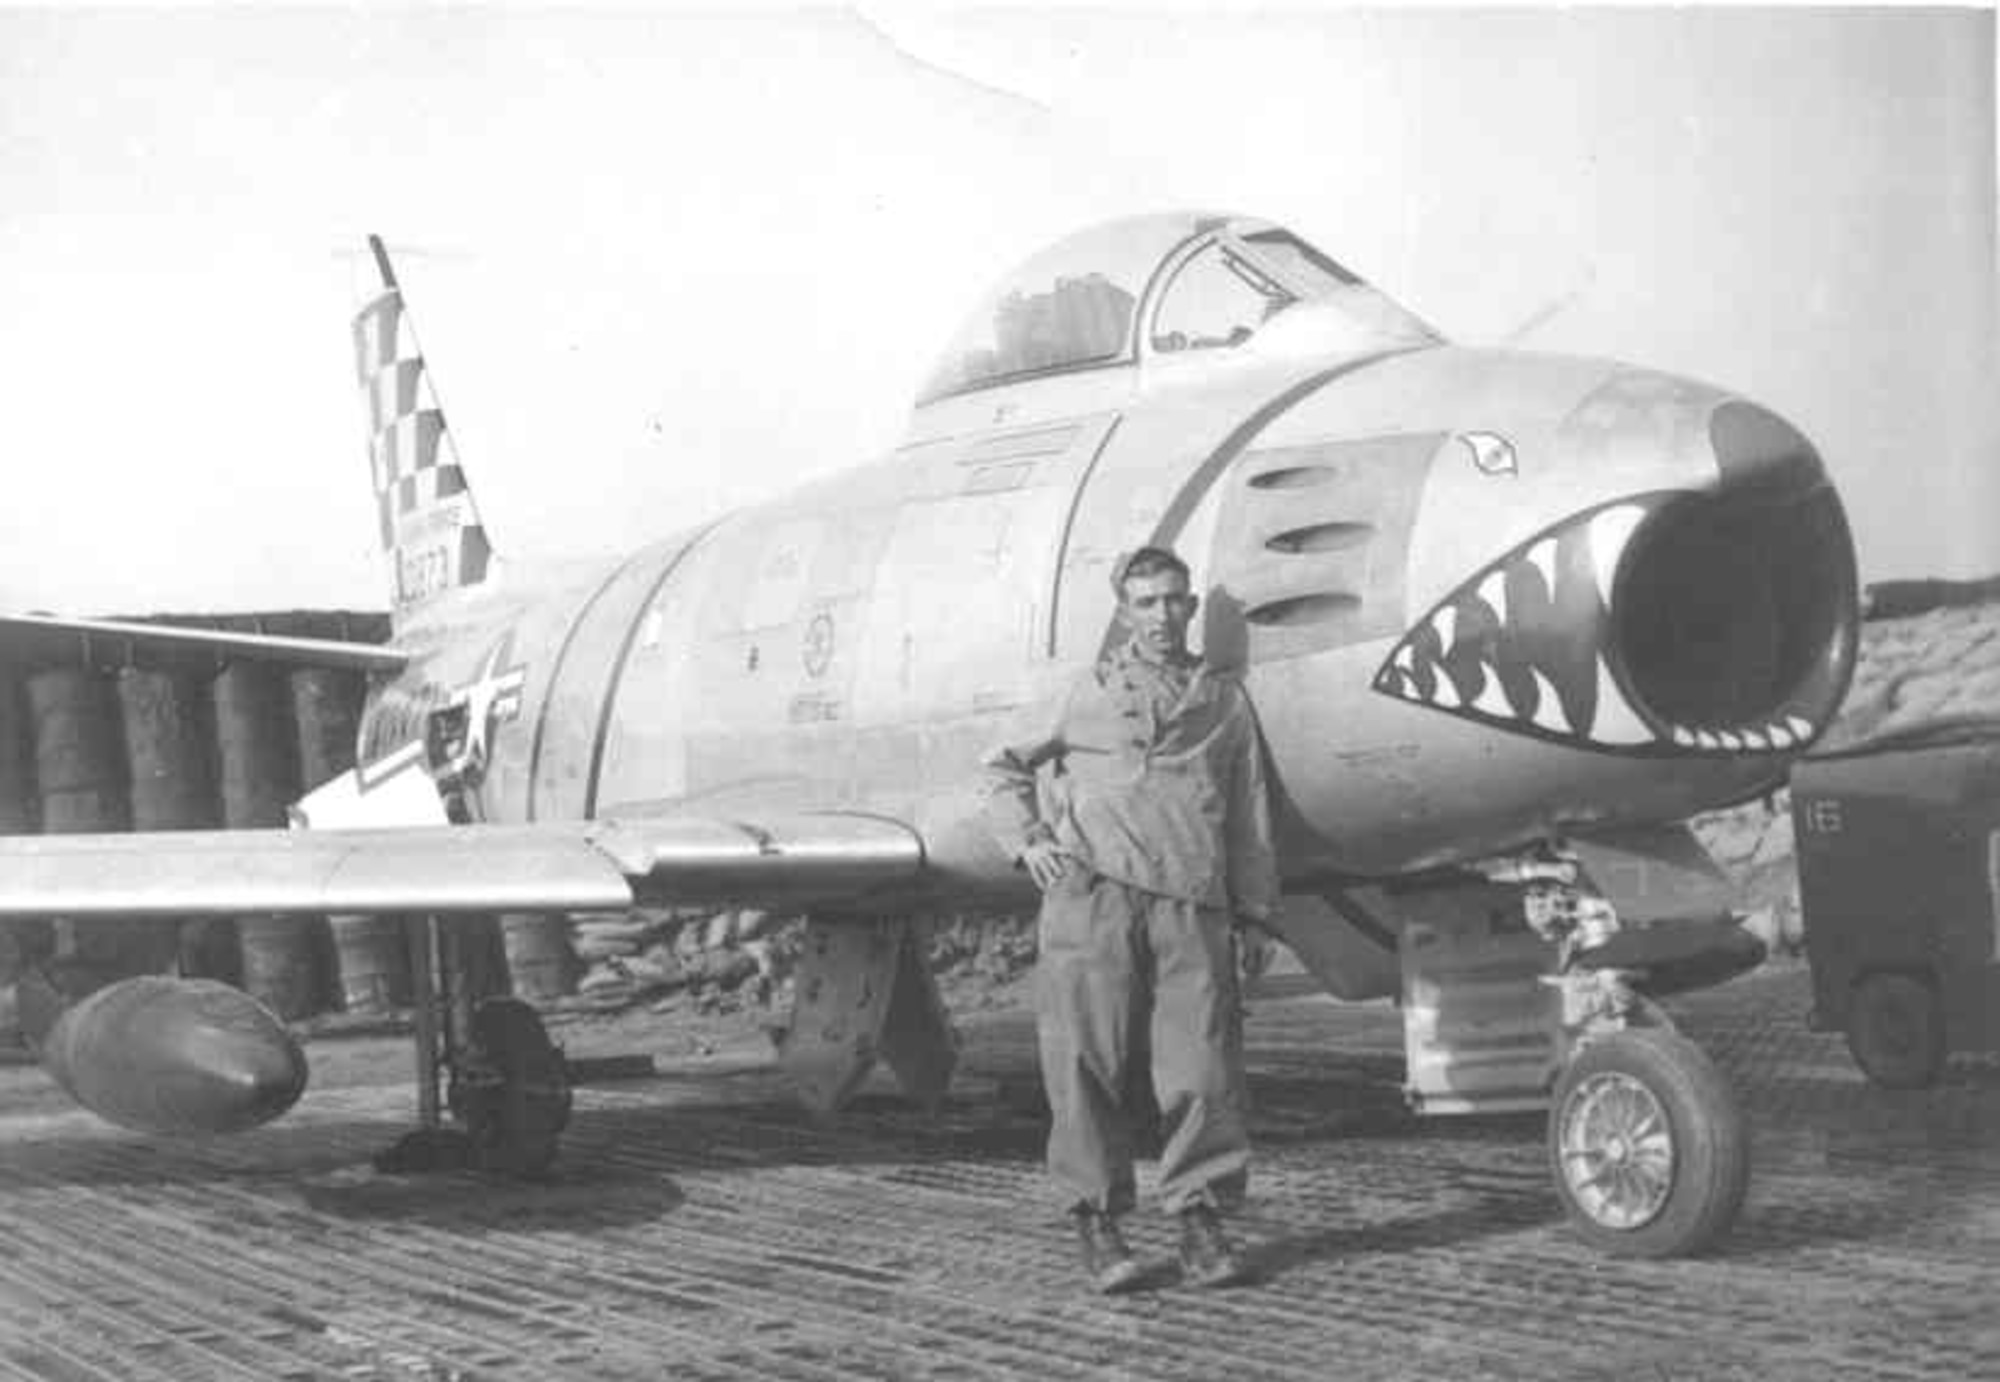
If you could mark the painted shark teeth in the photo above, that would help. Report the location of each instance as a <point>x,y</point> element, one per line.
<point>1617,722</point>
<point>1521,645</point>
<point>1548,705</point>
<point>1493,590</point>
<point>1445,621</point>
<point>1610,530</point>
<point>1773,736</point>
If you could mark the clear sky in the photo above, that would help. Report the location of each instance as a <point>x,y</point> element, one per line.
<point>665,262</point>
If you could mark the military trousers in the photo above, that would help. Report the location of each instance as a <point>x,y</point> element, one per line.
<point>1123,972</point>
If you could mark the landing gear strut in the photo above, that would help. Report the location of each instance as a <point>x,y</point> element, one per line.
<point>1515,999</point>
<point>1649,1147</point>
<point>509,1085</point>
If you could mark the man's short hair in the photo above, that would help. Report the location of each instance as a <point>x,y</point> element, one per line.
<point>1147,561</point>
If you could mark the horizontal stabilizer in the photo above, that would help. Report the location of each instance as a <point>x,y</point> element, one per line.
<point>549,867</point>
<point>32,638</point>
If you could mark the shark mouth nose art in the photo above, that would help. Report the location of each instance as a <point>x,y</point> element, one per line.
<point>1532,643</point>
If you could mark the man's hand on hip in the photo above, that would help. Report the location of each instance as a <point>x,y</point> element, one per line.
<point>1046,864</point>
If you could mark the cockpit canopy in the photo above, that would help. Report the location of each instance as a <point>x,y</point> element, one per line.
<point>1154,286</point>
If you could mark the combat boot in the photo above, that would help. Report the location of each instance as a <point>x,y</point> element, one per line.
<point>1208,1258</point>
<point>1106,1259</point>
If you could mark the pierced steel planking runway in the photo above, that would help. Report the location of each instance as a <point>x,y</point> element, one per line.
<point>703,1228</point>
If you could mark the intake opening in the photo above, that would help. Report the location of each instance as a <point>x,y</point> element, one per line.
<point>1732,607</point>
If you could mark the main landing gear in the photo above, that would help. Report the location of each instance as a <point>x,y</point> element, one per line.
<point>509,1086</point>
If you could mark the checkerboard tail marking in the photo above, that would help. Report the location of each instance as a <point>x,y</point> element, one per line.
<point>429,524</point>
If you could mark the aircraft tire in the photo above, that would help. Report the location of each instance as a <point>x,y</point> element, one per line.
<point>513,1094</point>
<point>1895,1030</point>
<point>1649,1147</point>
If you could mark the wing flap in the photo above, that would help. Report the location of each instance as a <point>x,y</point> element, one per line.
<point>550,867</point>
<point>826,857</point>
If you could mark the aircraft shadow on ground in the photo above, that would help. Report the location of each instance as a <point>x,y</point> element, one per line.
<point>571,1199</point>
<point>1486,1217</point>
<point>1002,1117</point>
<point>738,1122</point>
<point>621,1156</point>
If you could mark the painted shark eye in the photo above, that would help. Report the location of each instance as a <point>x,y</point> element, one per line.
<point>1492,454</point>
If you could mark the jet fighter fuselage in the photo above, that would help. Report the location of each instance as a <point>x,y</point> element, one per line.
<point>1479,597</point>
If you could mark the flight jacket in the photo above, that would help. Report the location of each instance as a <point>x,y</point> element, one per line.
<point>1149,774</point>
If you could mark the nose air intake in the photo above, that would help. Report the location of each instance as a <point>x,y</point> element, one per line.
<point>1714,621</point>
<point>1735,609</point>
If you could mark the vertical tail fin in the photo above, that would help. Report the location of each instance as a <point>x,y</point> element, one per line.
<point>430,526</point>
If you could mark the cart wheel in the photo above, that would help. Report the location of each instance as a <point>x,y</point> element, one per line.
<point>1895,1030</point>
<point>1650,1150</point>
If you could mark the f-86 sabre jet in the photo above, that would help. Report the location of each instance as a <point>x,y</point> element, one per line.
<point>1507,621</point>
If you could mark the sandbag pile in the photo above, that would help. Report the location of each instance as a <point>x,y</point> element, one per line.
<point>654,953</point>
<point>979,954</point>
<point>719,961</point>
<point>1944,665</point>
<point>1753,845</point>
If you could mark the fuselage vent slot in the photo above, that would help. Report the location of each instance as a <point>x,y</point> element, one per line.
<point>1321,537</point>
<point>1299,611</point>
<point>1295,477</point>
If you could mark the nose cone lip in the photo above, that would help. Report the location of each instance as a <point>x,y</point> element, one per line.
<point>1754,446</point>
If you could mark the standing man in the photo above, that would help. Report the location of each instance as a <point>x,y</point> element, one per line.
<point>1148,834</point>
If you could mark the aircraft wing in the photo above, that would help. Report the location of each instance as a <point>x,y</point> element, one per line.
<point>47,637</point>
<point>810,859</point>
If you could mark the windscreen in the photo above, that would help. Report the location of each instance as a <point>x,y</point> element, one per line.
<point>1068,308</point>
<point>1224,292</point>
<point>1220,279</point>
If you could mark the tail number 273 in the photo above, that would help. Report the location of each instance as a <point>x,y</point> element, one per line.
<point>422,572</point>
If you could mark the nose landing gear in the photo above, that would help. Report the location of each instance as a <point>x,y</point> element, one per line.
<point>1508,1005</point>
<point>1649,1149</point>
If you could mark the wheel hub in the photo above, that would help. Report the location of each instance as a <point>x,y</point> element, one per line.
<point>1896,1029</point>
<point>1617,1150</point>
